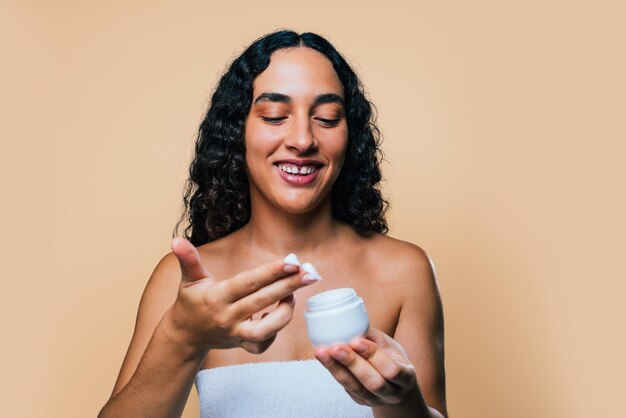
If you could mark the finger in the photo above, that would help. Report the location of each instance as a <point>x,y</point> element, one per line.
<point>384,341</point>
<point>189,259</point>
<point>257,348</point>
<point>269,325</point>
<point>371,402</point>
<point>365,373</point>
<point>250,281</point>
<point>388,368</point>
<point>267,296</point>
<point>350,383</point>
<point>376,335</point>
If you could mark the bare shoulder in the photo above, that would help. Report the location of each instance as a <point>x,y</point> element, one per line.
<point>420,329</point>
<point>163,283</point>
<point>159,294</point>
<point>404,263</point>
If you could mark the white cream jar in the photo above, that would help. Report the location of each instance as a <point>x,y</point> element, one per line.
<point>335,316</point>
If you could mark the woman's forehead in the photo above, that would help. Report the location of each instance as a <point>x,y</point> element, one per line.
<point>298,73</point>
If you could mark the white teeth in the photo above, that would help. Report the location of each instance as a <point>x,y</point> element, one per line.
<point>294,170</point>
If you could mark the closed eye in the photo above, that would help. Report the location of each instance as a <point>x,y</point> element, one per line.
<point>274,121</point>
<point>329,122</point>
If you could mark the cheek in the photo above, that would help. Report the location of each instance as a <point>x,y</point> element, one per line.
<point>336,147</point>
<point>256,138</point>
<point>261,138</point>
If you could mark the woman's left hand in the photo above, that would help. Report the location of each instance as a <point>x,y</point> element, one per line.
<point>375,370</point>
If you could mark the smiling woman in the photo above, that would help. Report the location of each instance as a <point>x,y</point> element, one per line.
<point>287,161</point>
<point>299,92</point>
<point>217,196</point>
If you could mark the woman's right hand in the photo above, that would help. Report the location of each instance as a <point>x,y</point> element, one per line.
<point>210,313</point>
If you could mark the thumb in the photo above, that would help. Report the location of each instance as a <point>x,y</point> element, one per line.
<point>189,259</point>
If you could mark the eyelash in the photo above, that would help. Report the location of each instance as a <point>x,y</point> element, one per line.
<point>276,121</point>
<point>273,120</point>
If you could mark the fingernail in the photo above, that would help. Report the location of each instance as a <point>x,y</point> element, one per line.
<point>290,268</point>
<point>360,348</point>
<point>310,278</point>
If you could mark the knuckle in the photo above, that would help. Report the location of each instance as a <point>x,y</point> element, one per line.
<point>378,386</point>
<point>264,299</point>
<point>222,321</point>
<point>275,270</point>
<point>351,362</point>
<point>211,299</point>
<point>257,335</point>
<point>248,284</point>
<point>395,372</point>
<point>368,353</point>
<point>284,316</point>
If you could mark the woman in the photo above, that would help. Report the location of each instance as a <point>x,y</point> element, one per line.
<point>286,161</point>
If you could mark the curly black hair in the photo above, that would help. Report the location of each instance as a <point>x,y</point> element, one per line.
<point>217,197</point>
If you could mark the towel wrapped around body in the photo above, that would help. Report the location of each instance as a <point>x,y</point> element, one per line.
<point>281,389</point>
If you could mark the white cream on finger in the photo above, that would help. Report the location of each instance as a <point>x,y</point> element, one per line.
<point>312,273</point>
<point>292,259</point>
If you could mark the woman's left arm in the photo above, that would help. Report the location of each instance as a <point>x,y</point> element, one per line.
<point>403,376</point>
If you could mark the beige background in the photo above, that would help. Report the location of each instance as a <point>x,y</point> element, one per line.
<point>504,132</point>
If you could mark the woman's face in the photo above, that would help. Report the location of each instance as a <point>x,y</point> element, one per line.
<point>296,132</point>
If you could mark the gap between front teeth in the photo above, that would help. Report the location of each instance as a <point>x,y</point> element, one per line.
<point>295,170</point>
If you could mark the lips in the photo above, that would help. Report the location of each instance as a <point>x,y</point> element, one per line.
<point>297,180</point>
<point>300,162</point>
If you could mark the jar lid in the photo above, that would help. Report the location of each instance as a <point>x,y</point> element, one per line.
<point>331,299</point>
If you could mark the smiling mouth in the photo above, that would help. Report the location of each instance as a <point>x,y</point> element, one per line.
<point>297,170</point>
<point>296,175</point>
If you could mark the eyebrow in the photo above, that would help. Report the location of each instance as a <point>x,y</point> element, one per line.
<point>283,98</point>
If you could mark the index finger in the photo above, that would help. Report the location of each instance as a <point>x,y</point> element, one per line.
<point>249,281</point>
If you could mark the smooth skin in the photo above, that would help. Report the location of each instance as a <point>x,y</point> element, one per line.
<point>234,293</point>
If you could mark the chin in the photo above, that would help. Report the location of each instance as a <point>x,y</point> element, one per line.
<point>297,209</point>
<point>297,206</point>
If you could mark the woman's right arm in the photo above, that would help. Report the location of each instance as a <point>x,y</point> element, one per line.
<point>158,371</point>
<point>184,313</point>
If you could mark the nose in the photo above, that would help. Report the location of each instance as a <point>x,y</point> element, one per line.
<point>300,138</point>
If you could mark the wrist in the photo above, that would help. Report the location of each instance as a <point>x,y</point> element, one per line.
<point>176,337</point>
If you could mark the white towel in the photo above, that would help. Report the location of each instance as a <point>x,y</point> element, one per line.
<point>280,389</point>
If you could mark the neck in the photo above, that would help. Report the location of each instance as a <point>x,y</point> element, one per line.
<point>277,233</point>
